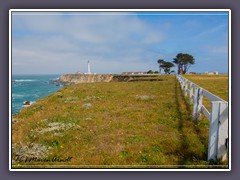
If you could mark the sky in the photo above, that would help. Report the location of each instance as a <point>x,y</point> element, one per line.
<point>116,42</point>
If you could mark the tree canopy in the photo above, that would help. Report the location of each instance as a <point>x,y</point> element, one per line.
<point>166,66</point>
<point>150,72</point>
<point>160,62</point>
<point>183,62</point>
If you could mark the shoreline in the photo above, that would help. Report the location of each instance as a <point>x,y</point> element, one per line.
<point>70,79</point>
<point>30,89</point>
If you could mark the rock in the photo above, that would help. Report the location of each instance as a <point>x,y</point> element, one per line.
<point>27,103</point>
<point>15,119</point>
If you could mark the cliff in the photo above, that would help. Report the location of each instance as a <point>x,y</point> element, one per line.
<point>69,79</point>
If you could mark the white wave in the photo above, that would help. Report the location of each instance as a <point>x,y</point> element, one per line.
<point>54,79</point>
<point>24,80</point>
<point>17,95</point>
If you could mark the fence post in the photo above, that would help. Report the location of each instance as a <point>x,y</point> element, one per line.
<point>183,83</point>
<point>197,106</point>
<point>191,93</point>
<point>213,131</point>
<point>195,101</point>
<point>223,131</point>
<point>185,88</point>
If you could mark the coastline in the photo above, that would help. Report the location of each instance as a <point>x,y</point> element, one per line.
<point>28,89</point>
<point>69,79</point>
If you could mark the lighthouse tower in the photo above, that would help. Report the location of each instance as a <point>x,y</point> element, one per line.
<point>89,70</point>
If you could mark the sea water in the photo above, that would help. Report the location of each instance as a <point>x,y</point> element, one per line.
<point>31,88</point>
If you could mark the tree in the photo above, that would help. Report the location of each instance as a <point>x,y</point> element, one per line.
<point>172,71</point>
<point>160,62</point>
<point>183,61</point>
<point>166,66</point>
<point>150,72</point>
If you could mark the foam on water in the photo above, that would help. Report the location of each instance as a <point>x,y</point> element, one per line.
<point>24,80</point>
<point>17,95</point>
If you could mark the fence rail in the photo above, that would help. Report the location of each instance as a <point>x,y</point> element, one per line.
<point>218,117</point>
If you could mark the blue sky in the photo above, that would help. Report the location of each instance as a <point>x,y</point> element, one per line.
<point>115,42</point>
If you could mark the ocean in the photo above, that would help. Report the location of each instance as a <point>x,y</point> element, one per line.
<point>31,88</point>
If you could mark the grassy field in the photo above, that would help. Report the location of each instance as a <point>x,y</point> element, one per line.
<point>111,125</point>
<point>216,84</point>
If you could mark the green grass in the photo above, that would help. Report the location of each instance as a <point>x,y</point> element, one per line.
<point>115,124</point>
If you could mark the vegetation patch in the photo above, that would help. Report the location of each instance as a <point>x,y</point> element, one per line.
<point>56,127</point>
<point>144,97</point>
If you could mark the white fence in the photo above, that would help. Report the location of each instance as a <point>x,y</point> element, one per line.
<point>218,117</point>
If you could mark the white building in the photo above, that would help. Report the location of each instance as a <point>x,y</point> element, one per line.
<point>212,73</point>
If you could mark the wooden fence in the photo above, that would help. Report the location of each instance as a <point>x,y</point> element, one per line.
<point>218,117</point>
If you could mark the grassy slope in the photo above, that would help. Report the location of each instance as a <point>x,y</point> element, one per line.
<point>147,124</point>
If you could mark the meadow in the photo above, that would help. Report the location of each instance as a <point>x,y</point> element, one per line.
<point>114,125</point>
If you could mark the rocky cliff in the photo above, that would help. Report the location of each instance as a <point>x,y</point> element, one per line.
<point>69,79</point>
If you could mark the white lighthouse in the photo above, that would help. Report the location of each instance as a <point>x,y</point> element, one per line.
<point>89,68</point>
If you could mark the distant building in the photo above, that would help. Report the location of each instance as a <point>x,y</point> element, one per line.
<point>78,72</point>
<point>134,73</point>
<point>212,73</point>
<point>192,73</point>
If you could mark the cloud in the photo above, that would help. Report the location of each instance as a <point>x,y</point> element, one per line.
<point>211,31</point>
<point>66,42</point>
<point>43,43</point>
<point>213,49</point>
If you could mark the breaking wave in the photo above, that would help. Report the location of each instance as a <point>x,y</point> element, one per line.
<point>24,80</point>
